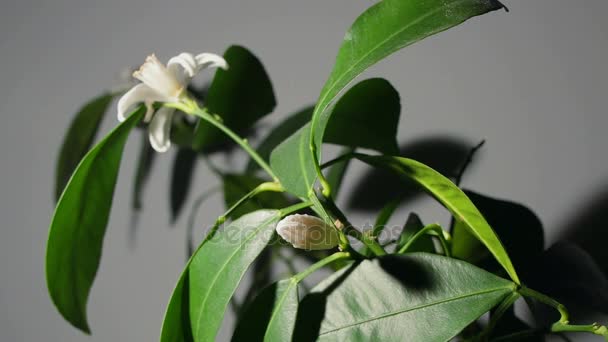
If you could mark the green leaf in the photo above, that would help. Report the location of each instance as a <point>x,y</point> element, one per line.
<point>181,179</point>
<point>219,265</point>
<point>414,297</point>
<point>79,224</point>
<point>412,226</point>
<point>384,28</point>
<point>79,139</point>
<point>271,316</point>
<point>279,133</point>
<point>237,186</point>
<point>176,324</point>
<point>366,116</point>
<point>448,194</point>
<point>240,95</point>
<point>517,227</point>
<point>145,162</point>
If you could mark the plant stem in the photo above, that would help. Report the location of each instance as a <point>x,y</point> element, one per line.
<point>320,264</point>
<point>498,313</point>
<point>191,107</point>
<point>563,325</point>
<point>434,230</point>
<point>338,159</point>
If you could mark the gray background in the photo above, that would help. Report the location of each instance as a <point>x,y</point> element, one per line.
<point>532,81</point>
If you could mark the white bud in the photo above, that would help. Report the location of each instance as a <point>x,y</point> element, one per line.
<point>307,232</point>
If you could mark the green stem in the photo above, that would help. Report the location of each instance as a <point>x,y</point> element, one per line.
<point>434,230</point>
<point>346,156</point>
<point>326,188</point>
<point>563,325</point>
<point>498,313</point>
<point>320,264</point>
<point>190,107</point>
<point>368,239</point>
<point>294,208</point>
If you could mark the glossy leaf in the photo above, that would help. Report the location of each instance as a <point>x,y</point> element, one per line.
<point>279,133</point>
<point>384,28</point>
<point>240,95</point>
<point>181,179</point>
<point>414,297</point>
<point>366,116</point>
<point>145,162</point>
<point>237,186</point>
<point>79,224</point>
<point>79,139</point>
<point>176,324</point>
<point>448,194</point>
<point>271,316</point>
<point>412,226</point>
<point>518,228</point>
<point>219,265</point>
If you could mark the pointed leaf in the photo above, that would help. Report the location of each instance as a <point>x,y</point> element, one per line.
<point>448,194</point>
<point>79,139</point>
<point>412,226</point>
<point>240,95</point>
<point>79,224</point>
<point>219,265</point>
<point>271,316</point>
<point>414,297</point>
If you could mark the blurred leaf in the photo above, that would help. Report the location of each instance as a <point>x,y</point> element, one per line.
<point>237,186</point>
<point>448,194</point>
<point>412,226</point>
<point>213,274</point>
<point>443,153</point>
<point>240,95</point>
<point>366,116</point>
<point>518,228</point>
<point>569,274</point>
<point>79,224</point>
<point>145,162</point>
<point>279,133</point>
<point>181,179</point>
<point>79,139</point>
<point>271,316</point>
<point>408,293</point>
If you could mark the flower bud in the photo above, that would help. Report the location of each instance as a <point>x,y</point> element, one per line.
<point>307,232</point>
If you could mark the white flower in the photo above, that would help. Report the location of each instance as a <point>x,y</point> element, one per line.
<point>307,232</point>
<point>162,83</point>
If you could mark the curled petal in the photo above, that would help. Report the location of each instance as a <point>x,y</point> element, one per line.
<point>211,60</point>
<point>183,67</point>
<point>307,232</point>
<point>137,94</point>
<point>160,129</point>
<point>156,76</point>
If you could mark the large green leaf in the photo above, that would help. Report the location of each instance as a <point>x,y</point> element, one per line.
<point>236,186</point>
<point>279,133</point>
<point>79,224</point>
<point>448,194</point>
<point>415,297</point>
<point>384,28</point>
<point>271,316</point>
<point>219,265</point>
<point>79,139</point>
<point>366,116</point>
<point>240,95</point>
<point>517,227</point>
<point>181,179</point>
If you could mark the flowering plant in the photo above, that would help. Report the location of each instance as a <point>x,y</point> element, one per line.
<point>423,283</point>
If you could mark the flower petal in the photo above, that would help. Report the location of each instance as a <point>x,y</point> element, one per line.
<point>211,60</point>
<point>160,129</point>
<point>137,94</point>
<point>183,67</point>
